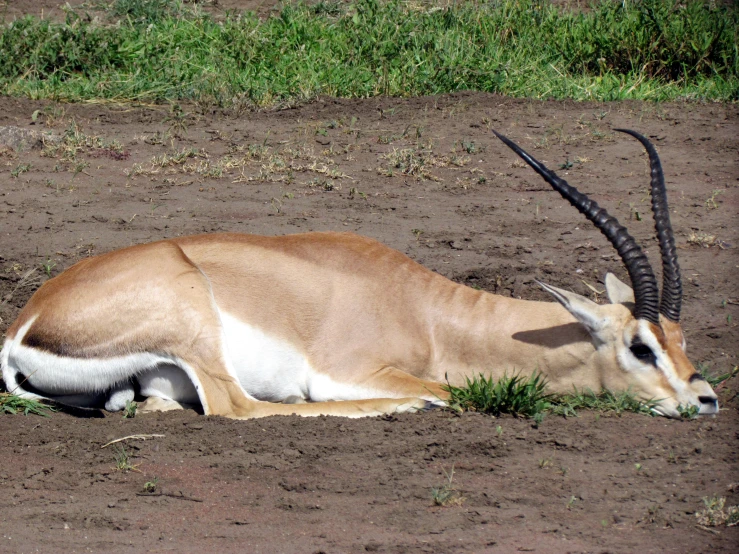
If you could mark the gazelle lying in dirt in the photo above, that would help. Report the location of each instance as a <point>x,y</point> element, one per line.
<point>243,325</point>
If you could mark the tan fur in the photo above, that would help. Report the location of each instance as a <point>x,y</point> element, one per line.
<point>359,312</point>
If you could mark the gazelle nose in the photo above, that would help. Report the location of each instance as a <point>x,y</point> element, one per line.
<point>707,399</point>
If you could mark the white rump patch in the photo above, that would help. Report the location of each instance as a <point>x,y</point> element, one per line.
<point>81,381</point>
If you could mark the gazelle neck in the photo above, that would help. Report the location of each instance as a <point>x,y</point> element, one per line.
<point>479,332</point>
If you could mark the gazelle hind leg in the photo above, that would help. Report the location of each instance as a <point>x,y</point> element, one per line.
<point>394,391</point>
<point>343,408</point>
<point>396,382</point>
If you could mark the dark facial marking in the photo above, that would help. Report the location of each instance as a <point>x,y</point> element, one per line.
<point>696,377</point>
<point>642,352</point>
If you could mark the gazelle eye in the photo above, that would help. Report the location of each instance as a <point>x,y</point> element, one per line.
<point>643,353</point>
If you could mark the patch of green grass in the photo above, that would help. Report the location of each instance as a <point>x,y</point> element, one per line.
<point>525,396</point>
<point>13,404</point>
<point>604,401</point>
<point>158,51</point>
<point>517,395</point>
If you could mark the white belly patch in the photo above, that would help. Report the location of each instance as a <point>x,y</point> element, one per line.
<point>267,368</point>
<point>271,369</point>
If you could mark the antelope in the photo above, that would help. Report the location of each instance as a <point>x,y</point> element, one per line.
<point>249,326</point>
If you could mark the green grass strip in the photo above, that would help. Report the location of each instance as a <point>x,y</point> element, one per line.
<point>526,396</point>
<point>12,404</point>
<point>642,49</point>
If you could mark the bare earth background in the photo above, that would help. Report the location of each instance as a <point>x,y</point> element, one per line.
<point>425,176</point>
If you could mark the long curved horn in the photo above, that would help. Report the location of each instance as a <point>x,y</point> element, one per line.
<point>672,288</point>
<point>642,277</point>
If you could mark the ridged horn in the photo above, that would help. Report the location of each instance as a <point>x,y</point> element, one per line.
<point>642,277</point>
<point>672,288</point>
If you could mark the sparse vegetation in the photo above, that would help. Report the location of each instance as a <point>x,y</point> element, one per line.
<point>704,240</point>
<point>129,412</point>
<point>446,494</point>
<point>12,404</point>
<point>717,514</point>
<point>123,460</point>
<point>150,487</point>
<point>19,170</point>
<point>166,51</point>
<point>604,401</point>
<point>716,380</point>
<point>48,266</point>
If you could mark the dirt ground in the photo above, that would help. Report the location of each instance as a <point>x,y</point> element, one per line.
<point>425,176</point>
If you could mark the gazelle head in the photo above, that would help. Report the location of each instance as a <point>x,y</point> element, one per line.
<point>640,328</point>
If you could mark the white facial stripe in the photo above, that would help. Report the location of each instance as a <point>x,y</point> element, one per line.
<point>664,363</point>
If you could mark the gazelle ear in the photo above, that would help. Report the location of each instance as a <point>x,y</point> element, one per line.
<point>583,309</point>
<point>618,291</point>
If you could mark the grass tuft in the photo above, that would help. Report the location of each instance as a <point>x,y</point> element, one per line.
<point>13,404</point>
<point>604,401</point>
<point>123,460</point>
<point>518,395</point>
<point>446,494</point>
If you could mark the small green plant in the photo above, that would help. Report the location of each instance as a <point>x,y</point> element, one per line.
<point>716,515</point>
<point>355,192</point>
<point>129,412</point>
<point>545,463</point>
<point>566,165</point>
<point>688,412</point>
<point>499,431</point>
<point>446,494</point>
<point>150,487</point>
<point>711,203</point>
<point>715,381</point>
<point>517,395</point>
<point>19,170</point>
<point>13,404</point>
<point>79,167</point>
<point>123,460</point>
<point>469,146</point>
<point>571,502</point>
<point>47,266</point>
